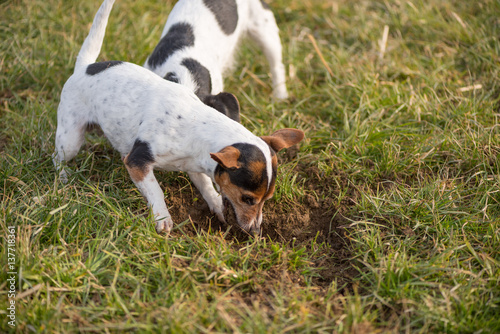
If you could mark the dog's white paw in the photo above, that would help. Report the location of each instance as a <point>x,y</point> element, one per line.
<point>280,92</point>
<point>220,215</point>
<point>217,208</point>
<point>164,226</point>
<point>63,176</point>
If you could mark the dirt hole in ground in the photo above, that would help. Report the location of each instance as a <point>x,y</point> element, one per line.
<point>303,224</point>
<point>315,218</point>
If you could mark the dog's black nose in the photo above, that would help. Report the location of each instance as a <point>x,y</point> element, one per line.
<point>255,231</point>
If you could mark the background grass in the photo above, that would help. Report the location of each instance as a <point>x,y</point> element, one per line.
<point>402,144</point>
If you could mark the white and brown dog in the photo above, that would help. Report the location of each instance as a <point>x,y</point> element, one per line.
<point>157,124</point>
<point>199,41</point>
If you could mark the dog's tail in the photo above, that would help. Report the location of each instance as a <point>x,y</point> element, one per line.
<point>92,44</point>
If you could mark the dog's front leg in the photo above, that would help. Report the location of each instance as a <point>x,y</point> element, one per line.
<point>139,163</point>
<point>206,188</point>
<point>148,186</point>
<point>264,30</point>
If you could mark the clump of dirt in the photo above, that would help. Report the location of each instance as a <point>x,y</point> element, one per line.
<point>310,221</point>
<point>307,224</point>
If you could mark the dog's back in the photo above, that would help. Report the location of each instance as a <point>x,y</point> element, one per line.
<point>200,37</point>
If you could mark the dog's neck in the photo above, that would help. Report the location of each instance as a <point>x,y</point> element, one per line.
<point>220,133</point>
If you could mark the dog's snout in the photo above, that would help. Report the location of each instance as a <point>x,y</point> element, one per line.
<point>247,224</point>
<point>255,231</point>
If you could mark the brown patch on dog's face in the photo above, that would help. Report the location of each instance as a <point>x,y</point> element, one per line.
<point>247,187</point>
<point>247,205</point>
<point>257,169</point>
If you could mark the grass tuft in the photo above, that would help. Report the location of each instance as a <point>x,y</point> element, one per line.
<point>386,218</point>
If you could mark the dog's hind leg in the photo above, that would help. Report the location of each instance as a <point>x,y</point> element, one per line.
<point>214,200</point>
<point>264,31</point>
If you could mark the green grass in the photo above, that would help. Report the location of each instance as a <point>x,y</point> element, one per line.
<point>396,187</point>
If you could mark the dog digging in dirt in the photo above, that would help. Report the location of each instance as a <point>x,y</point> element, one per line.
<point>200,38</point>
<point>158,124</point>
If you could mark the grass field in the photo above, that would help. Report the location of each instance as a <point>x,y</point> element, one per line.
<point>386,218</point>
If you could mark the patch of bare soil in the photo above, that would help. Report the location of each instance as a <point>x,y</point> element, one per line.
<point>304,223</point>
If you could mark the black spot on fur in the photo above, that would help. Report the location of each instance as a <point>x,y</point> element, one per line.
<point>242,177</point>
<point>179,117</point>
<point>201,76</point>
<point>264,4</point>
<point>171,76</point>
<point>140,155</point>
<point>97,68</point>
<point>179,36</point>
<point>226,14</point>
<point>226,103</point>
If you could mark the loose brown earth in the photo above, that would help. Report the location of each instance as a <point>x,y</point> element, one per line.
<point>305,223</point>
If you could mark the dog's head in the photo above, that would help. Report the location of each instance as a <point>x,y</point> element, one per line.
<point>246,175</point>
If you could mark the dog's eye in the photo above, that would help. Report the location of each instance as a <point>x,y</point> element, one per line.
<point>248,200</point>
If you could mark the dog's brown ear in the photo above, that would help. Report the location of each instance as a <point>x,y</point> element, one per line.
<point>226,103</point>
<point>283,138</point>
<point>227,157</point>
